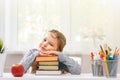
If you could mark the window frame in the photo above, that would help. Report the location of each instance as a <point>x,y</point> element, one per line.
<point>11,26</point>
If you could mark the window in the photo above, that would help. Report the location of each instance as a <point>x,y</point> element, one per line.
<point>82,21</point>
<point>36,17</point>
<point>69,16</point>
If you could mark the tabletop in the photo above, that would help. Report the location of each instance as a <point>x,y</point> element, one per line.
<point>85,76</point>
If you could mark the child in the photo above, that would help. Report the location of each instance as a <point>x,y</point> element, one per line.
<point>52,44</point>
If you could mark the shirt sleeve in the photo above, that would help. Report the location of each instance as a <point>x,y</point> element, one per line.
<point>73,66</point>
<point>29,58</point>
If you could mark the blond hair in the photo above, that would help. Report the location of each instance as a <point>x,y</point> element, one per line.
<point>60,38</point>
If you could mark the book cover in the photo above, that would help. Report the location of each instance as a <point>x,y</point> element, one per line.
<point>48,63</point>
<point>38,72</point>
<point>46,58</point>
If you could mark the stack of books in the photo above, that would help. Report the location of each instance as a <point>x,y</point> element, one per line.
<point>47,65</point>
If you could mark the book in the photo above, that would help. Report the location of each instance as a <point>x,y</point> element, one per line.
<point>39,72</point>
<point>46,58</point>
<point>48,67</point>
<point>48,63</point>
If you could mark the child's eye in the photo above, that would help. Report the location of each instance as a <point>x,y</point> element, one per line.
<point>44,40</point>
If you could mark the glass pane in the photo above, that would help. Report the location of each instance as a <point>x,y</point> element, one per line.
<point>87,20</point>
<point>35,17</point>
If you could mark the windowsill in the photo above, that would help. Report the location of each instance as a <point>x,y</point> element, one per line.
<point>15,52</point>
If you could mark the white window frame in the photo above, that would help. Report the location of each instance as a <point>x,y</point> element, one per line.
<point>8,27</point>
<point>11,28</point>
<point>11,24</point>
<point>2,18</point>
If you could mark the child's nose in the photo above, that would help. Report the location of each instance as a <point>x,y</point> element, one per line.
<point>45,44</point>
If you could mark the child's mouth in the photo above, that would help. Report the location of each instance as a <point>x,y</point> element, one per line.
<point>43,49</point>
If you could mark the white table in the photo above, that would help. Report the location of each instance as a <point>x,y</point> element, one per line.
<point>9,76</point>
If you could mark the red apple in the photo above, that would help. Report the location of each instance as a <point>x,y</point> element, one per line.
<point>17,70</point>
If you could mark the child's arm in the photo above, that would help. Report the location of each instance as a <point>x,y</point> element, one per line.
<point>29,58</point>
<point>73,67</point>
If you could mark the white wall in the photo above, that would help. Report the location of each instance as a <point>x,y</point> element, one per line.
<point>15,57</point>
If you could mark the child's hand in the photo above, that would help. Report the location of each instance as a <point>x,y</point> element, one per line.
<point>49,53</point>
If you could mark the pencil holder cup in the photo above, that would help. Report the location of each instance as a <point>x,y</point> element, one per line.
<point>110,68</point>
<point>97,68</point>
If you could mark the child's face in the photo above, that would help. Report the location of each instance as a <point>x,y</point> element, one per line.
<point>49,43</point>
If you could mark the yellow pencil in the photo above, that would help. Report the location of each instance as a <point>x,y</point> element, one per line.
<point>116,52</point>
<point>109,49</point>
<point>106,71</point>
